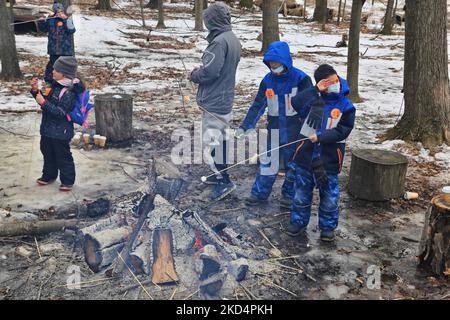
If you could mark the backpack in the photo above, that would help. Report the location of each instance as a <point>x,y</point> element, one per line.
<point>80,112</point>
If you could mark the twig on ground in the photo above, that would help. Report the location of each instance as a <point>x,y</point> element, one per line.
<point>17,134</point>
<point>134,276</point>
<point>248,292</point>
<point>189,296</point>
<point>277,286</point>
<point>37,247</point>
<point>267,239</point>
<point>173,294</point>
<point>127,174</point>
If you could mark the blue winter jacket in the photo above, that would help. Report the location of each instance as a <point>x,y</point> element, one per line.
<point>338,122</point>
<point>59,36</point>
<point>275,92</point>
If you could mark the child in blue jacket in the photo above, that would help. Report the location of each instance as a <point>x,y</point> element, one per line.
<point>275,92</point>
<point>60,29</point>
<point>318,160</point>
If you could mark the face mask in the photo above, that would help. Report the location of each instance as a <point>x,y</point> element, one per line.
<point>280,69</point>
<point>335,88</point>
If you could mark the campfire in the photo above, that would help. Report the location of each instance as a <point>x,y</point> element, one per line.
<point>150,235</point>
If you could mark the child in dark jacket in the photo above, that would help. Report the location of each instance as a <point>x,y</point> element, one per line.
<point>60,29</point>
<point>319,159</point>
<point>56,130</point>
<point>274,94</point>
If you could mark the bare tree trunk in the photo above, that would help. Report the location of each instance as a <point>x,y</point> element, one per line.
<point>388,19</point>
<point>199,15</point>
<point>353,50</point>
<point>141,5</point>
<point>426,87</point>
<point>304,10</point>
<point>248,4</point>
<point>152,4</point>
<point>270,30</point>
<point>324,17</point>
<point>104,5</point>
<point>160,24</point>
<point>343,10</point>
<point>320,12</point>
<point>339,13</point>
<point>8,52</point>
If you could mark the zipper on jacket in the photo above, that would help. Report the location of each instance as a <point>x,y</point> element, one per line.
<point>57,39</point>
<point>298,149</point>
<point>339,153</point>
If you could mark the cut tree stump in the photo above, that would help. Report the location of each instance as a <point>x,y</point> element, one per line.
<point>434,247</point>
<point>377,175</point>
<point>114,118</point>
<point>163,270</point>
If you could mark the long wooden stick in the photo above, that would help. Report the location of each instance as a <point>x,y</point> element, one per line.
<point>145,206</point>
<point>254,157</point>
<point>34,227</point>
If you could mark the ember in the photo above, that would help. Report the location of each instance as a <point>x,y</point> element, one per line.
<point>198,244</point>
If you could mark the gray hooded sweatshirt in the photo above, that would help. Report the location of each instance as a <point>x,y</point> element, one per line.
<point>217,76</point>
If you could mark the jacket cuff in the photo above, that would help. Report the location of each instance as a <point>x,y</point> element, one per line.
<point>319,137</point>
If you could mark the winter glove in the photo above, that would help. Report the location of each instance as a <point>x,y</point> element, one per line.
<point>189,75</point>
<point>70,24</point>
<point>239,133</point>
<point>319,173</point>
<point>315,116</point>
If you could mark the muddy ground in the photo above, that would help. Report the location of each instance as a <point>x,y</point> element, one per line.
<point>383,235</point>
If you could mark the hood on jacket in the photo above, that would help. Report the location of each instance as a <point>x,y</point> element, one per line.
<point>57,6</point>
<point>217,18</point>
<point>278,51</point>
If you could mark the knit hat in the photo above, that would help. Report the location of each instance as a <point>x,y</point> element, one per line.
<point>323,72</point>
<point>57,6</point>
<point>67,65</point>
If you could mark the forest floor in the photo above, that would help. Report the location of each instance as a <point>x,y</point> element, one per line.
<point>118,58</point>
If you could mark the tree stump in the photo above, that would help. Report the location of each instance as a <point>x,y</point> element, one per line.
<point>114,118</point>
<point>434,247</point>
<point>377,175</point>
